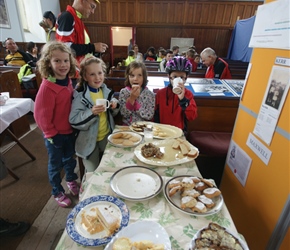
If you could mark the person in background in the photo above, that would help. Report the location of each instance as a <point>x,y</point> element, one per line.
<point>15,57</point>
<point>150,54</point>
<point>192,47</point>
<point>197,61</point>
<point>161,54</point>
<point>130,58</point>
<point>130,46</point>
<point>216,67</point>
<point>190,54</point>
<point>51,113</point>
<point>168,57</point>
<point>71,30</point>
<point>175,50</point>
<point>32,52</point>
<point>94,122</point>
<point>136,100</point>
<point>138,56</point>
<point>176,109</point>
<point>48,24</point>
<point>183,54</point>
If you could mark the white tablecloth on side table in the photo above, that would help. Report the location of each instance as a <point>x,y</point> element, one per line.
<point>14,109</point>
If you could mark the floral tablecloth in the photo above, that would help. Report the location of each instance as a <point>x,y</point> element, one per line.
<point>180,227</point>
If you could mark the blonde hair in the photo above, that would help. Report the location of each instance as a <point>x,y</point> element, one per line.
<point>83,66</point>
<point>46,54</point>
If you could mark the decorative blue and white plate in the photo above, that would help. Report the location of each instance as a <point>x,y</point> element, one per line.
<point>78,231</point>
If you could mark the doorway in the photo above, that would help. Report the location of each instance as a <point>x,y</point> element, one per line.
<point>120,39</point>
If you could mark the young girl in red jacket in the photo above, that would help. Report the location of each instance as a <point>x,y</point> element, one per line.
<point>176,109</point>
<point>51,113</point>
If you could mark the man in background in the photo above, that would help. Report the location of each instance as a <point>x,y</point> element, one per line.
<point>216,67</point>
<point>15,57</point>
<point>71,30</point>
<point>48,24</point>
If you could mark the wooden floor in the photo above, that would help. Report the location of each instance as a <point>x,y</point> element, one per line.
<point>47,229</point>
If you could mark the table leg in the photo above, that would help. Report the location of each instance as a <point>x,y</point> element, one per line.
<point>20,144</point>
<point>12,174</point>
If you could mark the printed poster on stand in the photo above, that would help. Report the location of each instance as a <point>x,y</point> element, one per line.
<point>272,104</point>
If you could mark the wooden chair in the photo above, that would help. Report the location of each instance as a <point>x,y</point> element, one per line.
<point>152,68</point>
<point>14,68</point>
<point>26,93</point>
<point>117,73</point>
<point>9,83</point>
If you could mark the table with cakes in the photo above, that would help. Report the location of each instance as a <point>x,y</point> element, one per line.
<point>147,193</point>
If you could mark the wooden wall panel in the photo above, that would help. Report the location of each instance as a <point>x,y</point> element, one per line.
<point>123,12</point>
<point>209,22</point>
<point>99,33</point>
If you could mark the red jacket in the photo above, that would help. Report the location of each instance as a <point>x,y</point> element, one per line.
<point>219,70</point>
<point>170,110</point>
<point>70,29</point>
<point>52,108</point>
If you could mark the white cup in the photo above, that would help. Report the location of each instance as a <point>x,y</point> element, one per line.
<point>176,89</point>
<point>6,94</point>
<point>3,99</point>
<point>148,134</point>
<point>103,102</point>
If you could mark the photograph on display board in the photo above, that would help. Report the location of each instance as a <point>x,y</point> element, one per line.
<point>277,88</point>
<point>275,93</point>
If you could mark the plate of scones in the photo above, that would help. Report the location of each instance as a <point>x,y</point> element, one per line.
<point>193,195</point>
<point>125,139</point>
<point>167,152</point>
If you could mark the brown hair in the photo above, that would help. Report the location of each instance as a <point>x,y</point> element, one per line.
<point>136,65</point>
<point>46,53</point>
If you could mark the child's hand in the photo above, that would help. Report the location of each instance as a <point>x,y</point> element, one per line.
<point>182,87</point>
<point>98,109</point>
<point>113,104</point>
<point>135,91</point>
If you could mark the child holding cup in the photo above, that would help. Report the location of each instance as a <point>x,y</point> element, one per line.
<point>175,104</point>
<point>93,109</point>
<point>136,100</point>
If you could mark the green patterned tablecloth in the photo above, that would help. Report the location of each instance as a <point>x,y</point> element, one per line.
<point>180,227</point>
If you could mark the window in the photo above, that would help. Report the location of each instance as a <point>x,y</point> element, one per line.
<point>23,14</point>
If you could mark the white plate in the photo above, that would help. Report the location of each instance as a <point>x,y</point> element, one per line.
<point>76,229</point>
<point>197,235</point>
<point>139,137</point>
<point>136,183</point>
<point>143,230</point>
<point>175,200</point>
<point>171,131</point>
<point>171,156</point>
